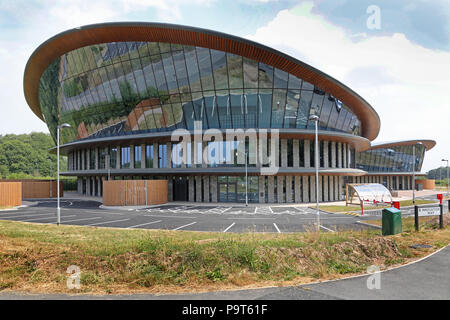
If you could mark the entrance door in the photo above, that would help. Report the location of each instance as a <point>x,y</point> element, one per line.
<point>180,189</point>
<point>227,192</point>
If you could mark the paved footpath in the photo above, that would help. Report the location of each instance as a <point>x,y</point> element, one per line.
<point>425,279</point>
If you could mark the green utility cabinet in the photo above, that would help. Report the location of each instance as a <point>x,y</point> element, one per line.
<point>391,221</point>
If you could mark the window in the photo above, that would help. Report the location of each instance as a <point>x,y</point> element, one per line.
<point>101,157</point>
<point>137,156</point>
<point>149,156</point>
<point>91,159</point>
<point>113,157</point>
<point>162,156</point>
<point>125,157</point>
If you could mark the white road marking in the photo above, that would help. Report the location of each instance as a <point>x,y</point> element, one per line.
<point>326,228</point>
<point>29,215</point>
<point>102,212</point>
<point>80,219</point>
<point>44,218</point>
<point>229,227</point>
<point>276,227</point>
<point>143,224</point>
<point>251,218</point>
<point>176,217</point>
<point>186,225</point>
<point>106,222</point>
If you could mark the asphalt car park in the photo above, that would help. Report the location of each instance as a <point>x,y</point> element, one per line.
<point>173,216</point>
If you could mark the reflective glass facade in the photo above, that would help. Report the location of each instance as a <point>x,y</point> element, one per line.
<point>392,159</point>
<point>124,88</point>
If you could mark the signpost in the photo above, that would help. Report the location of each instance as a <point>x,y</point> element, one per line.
<point>428,212</point>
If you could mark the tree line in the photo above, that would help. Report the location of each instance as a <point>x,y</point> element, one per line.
<point>27,156</point>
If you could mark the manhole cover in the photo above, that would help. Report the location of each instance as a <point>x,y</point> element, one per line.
<point>420,246</point>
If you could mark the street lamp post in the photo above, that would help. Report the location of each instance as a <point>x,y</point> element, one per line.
<point>414,172</point>
<point>58,210</point>
<point>447,175</point>
<point>315,118</point>
<point>246,180</point>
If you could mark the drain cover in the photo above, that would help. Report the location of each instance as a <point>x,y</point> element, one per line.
<point>420,246</point>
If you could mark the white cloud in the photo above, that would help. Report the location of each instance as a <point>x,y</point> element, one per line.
<point>406,84</point>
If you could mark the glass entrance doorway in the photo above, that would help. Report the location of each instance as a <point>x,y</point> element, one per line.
<point>227,192</point>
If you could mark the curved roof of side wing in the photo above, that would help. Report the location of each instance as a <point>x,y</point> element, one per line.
<point>170,33</point>
<point>429,144</point>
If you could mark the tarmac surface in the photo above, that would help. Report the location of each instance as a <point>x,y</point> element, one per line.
<point>173,216</point>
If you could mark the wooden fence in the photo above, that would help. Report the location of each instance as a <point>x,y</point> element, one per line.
<point>37,189</point>
<point>134,192</point>
<point>10,194</point>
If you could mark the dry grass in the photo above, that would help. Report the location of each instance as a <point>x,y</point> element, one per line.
<point>34,258</point>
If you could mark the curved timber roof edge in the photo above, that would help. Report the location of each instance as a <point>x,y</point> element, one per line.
<point>161,32</point>
<point>429,144</point>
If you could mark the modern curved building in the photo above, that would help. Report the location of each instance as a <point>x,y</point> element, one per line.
<point>201,109</point>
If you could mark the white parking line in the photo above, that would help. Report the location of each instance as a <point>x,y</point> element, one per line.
<point>44,218</point>
<point>106,222</point>
<point>186,225</point>
<point>143,224</point>
<point>29,215</point>
<point>276,227</point>
<point>80,219</point>
<point>229,227</point>
<point>176,217</point>
<point>326,228</point>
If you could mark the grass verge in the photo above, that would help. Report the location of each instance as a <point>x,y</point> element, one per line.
<point>35,257</point>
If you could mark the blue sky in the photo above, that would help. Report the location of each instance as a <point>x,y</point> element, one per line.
<point>401,69</point>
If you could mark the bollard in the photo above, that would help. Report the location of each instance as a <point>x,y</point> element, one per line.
<point>448,205</point>
<point>416,217</point>
<point>441,217</point>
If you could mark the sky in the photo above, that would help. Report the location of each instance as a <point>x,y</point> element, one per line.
<point>394,53</point>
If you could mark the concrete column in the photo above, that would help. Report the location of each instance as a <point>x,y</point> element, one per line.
<point>213,186</point>
<point>341,184</point>
<point>325,154</point>
<point>155,155</point>
<point>283,153</point>
<point>131,157</point>
<point>206,189</point>
<point>198,187</point>
<point>336,189</point>
<point>312,188</point>
<point>320,188</point>
<point>143,158</point>
<point>270,189</point>
<point>331,188</point>
<point>82,159</point>
<point>306,154</point>
<point>325,189</point>
<point>96,159</point>
<point>397,184</point>
<point>289,189</point>
<point>297,189</point>
<point>169,155</point>
<point>280,185</point>
<point>344,145</point>
<point>191,189</point>
<point>88,186</point>
<point>305,186</point>
<point>118,158</point>
<point>339,160</point>
<point>295,151</point>
<point>80,185</point>
<point>170,187</point>
<point>333,154</point>
<point>262,189</point>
